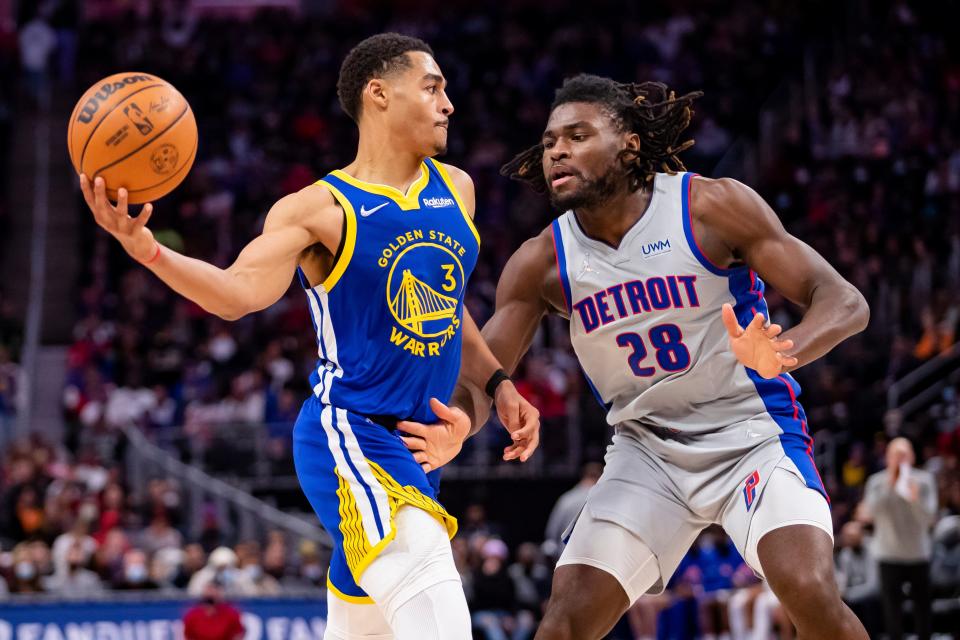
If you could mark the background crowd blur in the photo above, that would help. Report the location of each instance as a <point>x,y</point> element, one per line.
<point>844,116</point>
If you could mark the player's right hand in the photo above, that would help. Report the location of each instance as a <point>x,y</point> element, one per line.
<point>520,418</point>
<point>434,445</point>
<point>132,233</point>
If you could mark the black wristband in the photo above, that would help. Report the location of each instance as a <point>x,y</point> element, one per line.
<point>498,376</point>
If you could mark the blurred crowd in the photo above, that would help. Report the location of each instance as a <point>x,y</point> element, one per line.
<point>857,123</point>
<point>70,526</point>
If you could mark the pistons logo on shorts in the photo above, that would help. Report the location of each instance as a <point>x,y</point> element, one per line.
<point>750,489</point>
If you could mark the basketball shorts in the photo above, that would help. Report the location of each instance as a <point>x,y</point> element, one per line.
<point>663,489</point>
<point>356,475</point>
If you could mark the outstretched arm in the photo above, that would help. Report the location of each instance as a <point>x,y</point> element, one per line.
<point>435,445</point>
<point>261,273</point>
<point>522,293</point>
<point>739,224</point>
<point>509,332</point>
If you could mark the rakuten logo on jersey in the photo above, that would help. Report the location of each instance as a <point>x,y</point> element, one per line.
<point>438,203</point>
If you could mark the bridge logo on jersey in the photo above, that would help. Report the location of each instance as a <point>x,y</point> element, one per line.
<point>424,285</point>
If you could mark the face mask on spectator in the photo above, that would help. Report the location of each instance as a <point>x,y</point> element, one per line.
<point>227,576</point>
<point>25,570</point>
<point>254,572</point>
<point>136,573</point>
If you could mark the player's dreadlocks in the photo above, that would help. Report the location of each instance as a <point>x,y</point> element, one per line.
<point>649,109</point>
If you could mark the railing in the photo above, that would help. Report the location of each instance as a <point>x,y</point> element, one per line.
<point>241,515</point>
<point>921,387</point>
<point>246,456</point>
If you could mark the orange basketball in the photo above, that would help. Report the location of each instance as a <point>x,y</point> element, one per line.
<point>135,131</point>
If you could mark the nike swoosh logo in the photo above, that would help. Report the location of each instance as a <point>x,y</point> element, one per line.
<point>368,212</point>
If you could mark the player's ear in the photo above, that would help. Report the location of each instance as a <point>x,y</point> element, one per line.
<point>376,92</point>
<point>632,142</point>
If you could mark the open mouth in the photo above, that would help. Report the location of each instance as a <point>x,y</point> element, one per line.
<point>561,175</point>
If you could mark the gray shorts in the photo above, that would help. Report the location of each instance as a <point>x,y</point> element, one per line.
<point>664,487</point>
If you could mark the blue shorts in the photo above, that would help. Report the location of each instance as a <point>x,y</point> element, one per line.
<point>356,474</point>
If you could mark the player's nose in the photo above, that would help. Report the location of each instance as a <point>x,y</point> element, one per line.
<point>559,151</point>
<point>446,107</point>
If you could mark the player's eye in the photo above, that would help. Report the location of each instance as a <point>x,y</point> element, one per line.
<point>432,88</point>
<point>578,137</point>
<point>548,144</point>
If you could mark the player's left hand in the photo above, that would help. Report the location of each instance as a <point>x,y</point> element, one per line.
<point>520,418</point>
<point>434,445</point>
<point>757,345</point>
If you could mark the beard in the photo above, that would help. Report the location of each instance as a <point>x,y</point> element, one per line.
<point>591,193</point>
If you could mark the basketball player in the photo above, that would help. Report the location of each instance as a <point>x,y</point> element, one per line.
<point>383,249</point>
<point>661,274</point>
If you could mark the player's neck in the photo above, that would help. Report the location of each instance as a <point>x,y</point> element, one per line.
<point>380,162</point>
<point>610,220</point>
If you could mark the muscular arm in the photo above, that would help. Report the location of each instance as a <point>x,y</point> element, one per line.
<point>434,445</point>
<point>477,362</point>
<point>520,305</point>
<point>737,225</point>
<point>261,273</point>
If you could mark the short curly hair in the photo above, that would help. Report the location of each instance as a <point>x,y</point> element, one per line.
<point>375,57</point>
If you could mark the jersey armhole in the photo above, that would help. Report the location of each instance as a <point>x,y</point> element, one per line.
<point>442,172</point>
<point>348,240</point>
<point>561,264</point>
<point>687,215</point>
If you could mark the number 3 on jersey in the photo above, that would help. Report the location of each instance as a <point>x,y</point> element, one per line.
<point>667,339</point>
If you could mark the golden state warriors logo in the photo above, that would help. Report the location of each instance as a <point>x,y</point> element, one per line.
<point>424,285</point>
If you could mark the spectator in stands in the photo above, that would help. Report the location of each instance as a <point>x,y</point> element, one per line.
<point>112,508</point>
<point>221,566</point>
<point>37,42</point>
<point>768,614</point>
<point>858,576</point>
<point>136,574</point>
<point>531,582</point>
<point>945,569</point>
<point>717,561</point>
<point>160,535</point>
<point>77,535</point>
<point>25,576</point>
<point>165,566</point>
<point>108,559</point>
<point>311,572</point>
<point>902,501</point>
<point>494,597</point>
<point>212,619</point>
<point>250,567</point>
<point>74,579</point>
<point>744,600</point>
<point>569,504</point>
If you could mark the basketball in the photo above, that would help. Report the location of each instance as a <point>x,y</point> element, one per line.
<point>135,131</point>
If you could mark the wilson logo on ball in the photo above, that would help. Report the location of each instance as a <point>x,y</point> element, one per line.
<point>90,108</point>
<point>164,159</point>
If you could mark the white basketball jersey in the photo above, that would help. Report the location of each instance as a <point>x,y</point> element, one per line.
<point>645,323</point>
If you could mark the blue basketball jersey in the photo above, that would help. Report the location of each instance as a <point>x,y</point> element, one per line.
<point>389,316</point>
